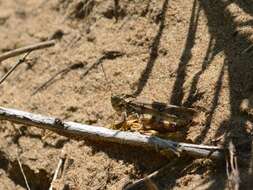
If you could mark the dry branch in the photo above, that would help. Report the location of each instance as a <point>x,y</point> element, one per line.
<point>73,129</point>
<point>26,49</point>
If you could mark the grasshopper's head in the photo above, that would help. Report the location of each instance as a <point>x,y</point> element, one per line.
<point>118,102</point>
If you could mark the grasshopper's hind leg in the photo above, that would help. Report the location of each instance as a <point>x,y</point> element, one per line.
<point>121,121</point>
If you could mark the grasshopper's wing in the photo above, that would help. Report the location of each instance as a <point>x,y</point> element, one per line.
<point>178,111</point>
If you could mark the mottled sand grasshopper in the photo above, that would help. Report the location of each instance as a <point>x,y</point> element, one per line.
<point>157,116</point>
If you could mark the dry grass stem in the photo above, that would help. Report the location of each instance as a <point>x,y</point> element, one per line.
<point>23,173</point>
<point>13,68</point>
<point>26,49</point>
<point>232,168</point>
<point>58,168</point>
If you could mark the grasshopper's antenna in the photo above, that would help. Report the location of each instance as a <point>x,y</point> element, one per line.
<point>110,55</point>
<point>106,78</point>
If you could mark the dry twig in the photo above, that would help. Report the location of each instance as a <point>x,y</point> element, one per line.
<point>116,10</point>
<point>75,130</point>
<point>61,72</point>
<point>248,49</point>
<point>26,49</point>
<point>172,169</point>
<point>59,167</point>
<point>106,55</point>
<point>13,68</point>
<point>148,180</point>
<point>23,173</point>
<point>232,168</point>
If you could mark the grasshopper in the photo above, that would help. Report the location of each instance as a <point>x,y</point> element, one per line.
<point>156,111</point>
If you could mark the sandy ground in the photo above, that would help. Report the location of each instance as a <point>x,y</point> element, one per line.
<point>192,53</point>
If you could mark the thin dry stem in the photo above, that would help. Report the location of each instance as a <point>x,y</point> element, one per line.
<point>26,49</point>
<point>148,180</point>
<point>13,68</point>
<point>58,168</point>
<point>232,168</point>
<point>23,173</point>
